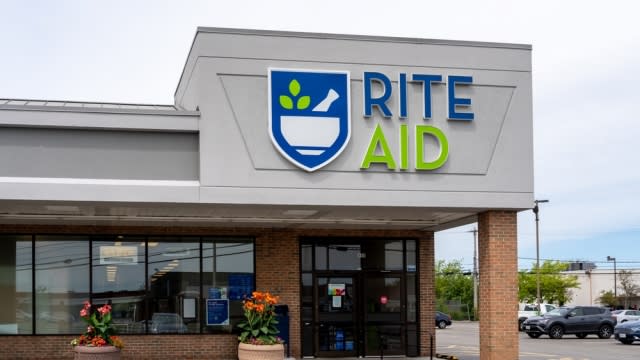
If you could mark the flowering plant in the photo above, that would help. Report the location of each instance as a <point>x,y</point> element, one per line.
<point>259,325</point>
<point>99,330</point>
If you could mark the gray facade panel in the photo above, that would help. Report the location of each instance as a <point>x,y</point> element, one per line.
<point>66,153</point>
<point>219,150</point>
<point>490,162</point>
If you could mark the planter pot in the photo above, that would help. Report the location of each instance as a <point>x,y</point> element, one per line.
<point>96,353</point>
<point>260,352</point>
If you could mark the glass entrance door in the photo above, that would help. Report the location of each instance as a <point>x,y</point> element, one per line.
<point>337,325</point>
<point>358,297</point>
<point>383,314</point>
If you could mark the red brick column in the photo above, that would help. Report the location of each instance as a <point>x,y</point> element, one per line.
<point>427,293</point>
<point>498,286</point>
<point>278,271</point>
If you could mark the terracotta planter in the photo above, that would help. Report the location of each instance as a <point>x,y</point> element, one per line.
<point>96,353</point>
<point>260,352</point>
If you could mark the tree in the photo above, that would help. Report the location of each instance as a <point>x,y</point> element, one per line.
<point>452,283</point>
<point>628,286</point>
<point>607,298</point>
<point>554,286</point>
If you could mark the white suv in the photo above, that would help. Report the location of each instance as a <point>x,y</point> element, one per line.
<point>626,315</point>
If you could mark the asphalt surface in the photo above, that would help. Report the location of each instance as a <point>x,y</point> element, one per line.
<point>462,340</point>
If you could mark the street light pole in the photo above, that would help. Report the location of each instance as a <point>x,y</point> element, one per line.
<point>615,280</point>
<point>536,209</point>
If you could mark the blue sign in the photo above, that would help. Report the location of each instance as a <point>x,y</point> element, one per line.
<point>240,286</point>
<point>309,115</point>
<point>214,293</point>
<point>217,312</point>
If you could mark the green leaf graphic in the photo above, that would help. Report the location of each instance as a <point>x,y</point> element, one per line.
<point>303,102</point>
<point>294,87</point>
<point>286,102</point>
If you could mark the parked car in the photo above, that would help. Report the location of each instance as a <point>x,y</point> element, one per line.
<point>578,320</point>
<point>526,311</point>
<point>628,332</point>
<point>626,315</point>
<point>167,323</point>
<point>442,320</point>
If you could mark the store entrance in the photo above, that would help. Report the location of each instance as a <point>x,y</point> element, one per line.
<point>356,302</point>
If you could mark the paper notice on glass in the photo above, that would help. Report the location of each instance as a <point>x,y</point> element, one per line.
<point>188,308</point>
<point>337,301</point>
<point>336,289</point>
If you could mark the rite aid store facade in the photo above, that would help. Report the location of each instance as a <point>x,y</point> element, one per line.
<point>314,166</point>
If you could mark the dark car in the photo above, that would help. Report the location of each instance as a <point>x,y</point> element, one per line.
<point>442,320</point>
<point>628,332</point>
<point>578,320</point>
<point>167,323</point>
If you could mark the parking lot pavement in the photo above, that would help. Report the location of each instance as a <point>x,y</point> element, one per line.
<point>462,340</point>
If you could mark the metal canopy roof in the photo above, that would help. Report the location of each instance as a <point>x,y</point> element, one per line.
<point>60,105</point>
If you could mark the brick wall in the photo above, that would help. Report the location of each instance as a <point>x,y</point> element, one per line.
<point>223,347</point>
<point>278,271</point>
<point>498,286</point>
<point>427,299</point>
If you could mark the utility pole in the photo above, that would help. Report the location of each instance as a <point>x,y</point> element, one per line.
<point>615,280</point>
<point>475,273</point>
<point>536,209</point>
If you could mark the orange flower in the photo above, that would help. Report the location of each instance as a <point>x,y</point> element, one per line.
<point>259,326</point>
<point>99,329</point>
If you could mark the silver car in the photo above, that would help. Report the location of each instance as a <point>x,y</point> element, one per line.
<point>167,323</point>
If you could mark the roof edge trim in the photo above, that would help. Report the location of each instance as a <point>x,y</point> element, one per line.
<point>362,38</point>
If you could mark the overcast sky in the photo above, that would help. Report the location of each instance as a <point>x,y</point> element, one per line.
<point>586,62</point>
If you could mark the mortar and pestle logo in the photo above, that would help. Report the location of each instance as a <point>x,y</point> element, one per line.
<point>308,134</point>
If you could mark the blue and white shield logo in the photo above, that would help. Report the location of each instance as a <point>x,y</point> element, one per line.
<point>309,115</point>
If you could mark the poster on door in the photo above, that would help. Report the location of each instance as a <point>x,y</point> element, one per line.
<point>337,290</point>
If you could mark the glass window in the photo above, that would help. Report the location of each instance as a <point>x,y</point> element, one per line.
<point>118,279</point>
<point>228,276</point>
<point>174,285</point>
<point>321,257</point>
<point>411,256</point>
<point>16,315</point>
<point>307,297</point>
<point>591,311</point>
<point>154,285</point>
<point>62,283</point>
<point>383,295</point>
<point>344,257</point>
<point>576,312</point>
<point>306,257</point>
<point>412,298</point>
<point>383,254</point>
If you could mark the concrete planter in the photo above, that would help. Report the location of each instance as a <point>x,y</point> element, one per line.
<point>96,353</point>
<point>260,352</point>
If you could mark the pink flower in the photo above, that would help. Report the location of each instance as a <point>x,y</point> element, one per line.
<point>89,329</point>
<point>87,305</point>
<point>84,312</point>
<point>104,310</point>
